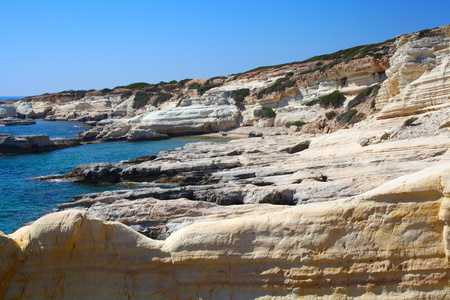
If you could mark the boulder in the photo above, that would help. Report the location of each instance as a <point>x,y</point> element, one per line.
<point>303,145</point>
<point>96,173</point>
<point>25,110</point>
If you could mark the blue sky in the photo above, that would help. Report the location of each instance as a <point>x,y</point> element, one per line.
<point>50,46</point>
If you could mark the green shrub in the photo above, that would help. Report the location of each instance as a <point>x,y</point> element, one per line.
<point>183,82</point>
<point>105,91</point>
<point>80,94</point>
<point>239,95</point>
<point>172,82</point>
<point>361,97</point>
<point>335,99</point>
<point>194,86</point>
<point>205,87</point>
<point>347,116</point>
<point>136,85</point>
<point>126,95</point>
<point>410,121</point>
<point>211,80</point>
<point>161,97</point>
<point>280,85</point>
<point>330,115</point>
<point>424,33</point>
<point>372,104</point>
<point>295,123</point>
<point>264,112</point>
<point>312,102</point>
<point>141,99</point>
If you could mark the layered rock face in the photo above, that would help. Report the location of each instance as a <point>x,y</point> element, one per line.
<point>418,79</point>
<point>390,242</point>
<point>210,113</point>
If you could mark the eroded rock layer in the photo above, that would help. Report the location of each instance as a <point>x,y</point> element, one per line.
<point>389,242</point>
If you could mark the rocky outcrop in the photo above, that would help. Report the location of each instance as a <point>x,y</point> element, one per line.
<point>391,242</point>
<point>211,113</point>
<point>7,111</point>
<point>25,144</point>
<point>16,121</point>
<point>418,79</point>
<point>277,169</point>
<point>25,110</point>
<point>121,131</point>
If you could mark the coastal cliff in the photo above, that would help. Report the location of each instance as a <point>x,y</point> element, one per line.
<point>392,241</point>
<point>344,195</point>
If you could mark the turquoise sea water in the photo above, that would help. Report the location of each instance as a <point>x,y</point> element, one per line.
<point>23,200</point>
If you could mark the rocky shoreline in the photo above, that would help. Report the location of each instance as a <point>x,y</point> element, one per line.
<point>341,189</point>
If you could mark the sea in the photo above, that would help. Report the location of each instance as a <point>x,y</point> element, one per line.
<point>24,200</point>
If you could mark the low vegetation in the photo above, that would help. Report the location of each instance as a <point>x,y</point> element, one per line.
<point>280,85</point>
<point>141,99</point>
<point>410,121</point>
<point>364,95</point>
<point>194,86</point>
<point>161,97</point>
<point>264,112</point>
<point>377,50</point>
<point>335,99</point>
<point>126,95</point>
<point>330,115</point>
<point>350,117</point>
<point>312,102</point>
<point>295,123</point>
<point>137,85</point>
<point>239,95</point>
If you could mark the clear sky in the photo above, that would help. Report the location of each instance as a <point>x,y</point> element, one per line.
<point>50,46</point>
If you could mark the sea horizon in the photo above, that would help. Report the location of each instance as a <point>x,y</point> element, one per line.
<point>2,98</point>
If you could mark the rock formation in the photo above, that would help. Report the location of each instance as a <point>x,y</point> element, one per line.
<point>25,144</point>
<point>418,79</point>
<point>390,242</point>
<point>351,200</point>
<point>7,111</point>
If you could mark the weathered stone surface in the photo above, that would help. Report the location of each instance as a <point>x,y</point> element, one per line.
<point>25,110</point>
<point>95,173</point>
<point>16,121</point>
<point>191,119</point>
<point>25,144</point>
<point>7,111</point>
<point>391,242</point>
<point>418,79</point>
<point>120,131</point>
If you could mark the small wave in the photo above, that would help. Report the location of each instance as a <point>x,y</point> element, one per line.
<point>56,180</point>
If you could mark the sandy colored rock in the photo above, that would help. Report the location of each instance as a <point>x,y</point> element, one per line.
<point>389,242</point>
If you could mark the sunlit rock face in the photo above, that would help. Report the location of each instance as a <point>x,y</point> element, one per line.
<point>209,113</point>
<point>392,241</point>
<point>418,79</point>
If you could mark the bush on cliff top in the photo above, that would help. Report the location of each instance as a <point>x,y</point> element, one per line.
<point>137,85</point>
